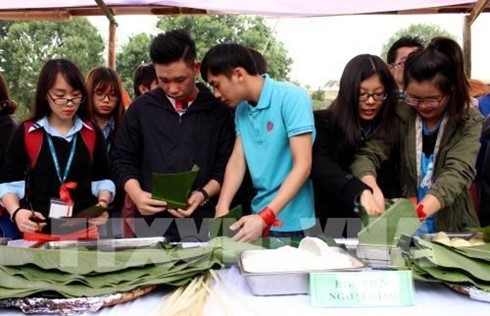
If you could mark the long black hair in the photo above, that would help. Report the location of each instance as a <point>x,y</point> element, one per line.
<point>442,63</point>
<point>344,110</point>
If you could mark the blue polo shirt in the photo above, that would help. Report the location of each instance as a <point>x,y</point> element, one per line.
<point>283,111</point>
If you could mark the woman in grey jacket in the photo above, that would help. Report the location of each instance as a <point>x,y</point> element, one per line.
<point>436,133</point>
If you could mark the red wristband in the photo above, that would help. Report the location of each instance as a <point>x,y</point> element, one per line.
<point>104,201</point>
<point>420,212</point>
<point>269,218</point>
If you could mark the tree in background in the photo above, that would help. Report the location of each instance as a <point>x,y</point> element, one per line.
<point>208,30</point>
<point>26,45</point>
<point>423,31</point>
<point>134,53</point>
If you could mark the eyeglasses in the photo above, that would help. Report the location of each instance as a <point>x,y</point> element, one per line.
<point>399,64</point>
<point>64,101</point>
<point>111,96</point>
<point>414,101</point>
<point>377,96</point>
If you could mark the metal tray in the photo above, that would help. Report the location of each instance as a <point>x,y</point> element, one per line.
<point>109,244</point>
<point>287,282</point>
<point>450,235</point>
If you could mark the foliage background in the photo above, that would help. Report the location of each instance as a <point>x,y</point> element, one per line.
<point>26,45</point>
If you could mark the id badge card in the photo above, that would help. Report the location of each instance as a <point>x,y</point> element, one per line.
<point>59,209</point>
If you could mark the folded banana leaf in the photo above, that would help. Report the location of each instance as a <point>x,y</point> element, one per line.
<point>399,219</point>
<point>174,188</point>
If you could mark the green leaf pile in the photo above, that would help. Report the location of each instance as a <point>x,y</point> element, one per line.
<point>85,273</point>
<point>432,261</point>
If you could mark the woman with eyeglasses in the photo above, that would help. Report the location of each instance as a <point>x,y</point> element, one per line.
<point>105,89</point>
<point>56,163</point>
<point>436,140</point>
<point>364,105</point>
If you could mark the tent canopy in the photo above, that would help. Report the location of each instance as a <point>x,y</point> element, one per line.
<point>34,9</point>
<point>64,9</point>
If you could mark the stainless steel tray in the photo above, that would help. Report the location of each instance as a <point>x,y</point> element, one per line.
<point>450,235</point>
<point>287,282</point>
<point>109,244</point>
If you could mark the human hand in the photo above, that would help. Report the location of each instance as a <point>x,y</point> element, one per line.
<point>370,180</point>
<point>148,206</point>
<point>250,228</point>
<point>380,199</point>
<point>29,221</point>
<point>368,202</point>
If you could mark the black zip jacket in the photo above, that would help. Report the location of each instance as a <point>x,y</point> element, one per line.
<point>154,138</point>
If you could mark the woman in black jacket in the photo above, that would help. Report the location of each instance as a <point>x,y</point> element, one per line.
<point>365,102</point>
<point>7,126</point>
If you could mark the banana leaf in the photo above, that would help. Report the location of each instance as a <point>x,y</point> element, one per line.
<point>86,262</point>
<point>366,218</point>
<point>440,256</point>
<point>220,226</point>
<point>40,269</point>
<point>385,230</point>
<point>90,212</point>
<point>174,188</point>
<point>485,230</point>
<point>481,252</point>
<point>454,276</point>
<point>10,285</point>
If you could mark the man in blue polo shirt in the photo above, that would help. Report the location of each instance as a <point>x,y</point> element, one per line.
<point>275,131</point>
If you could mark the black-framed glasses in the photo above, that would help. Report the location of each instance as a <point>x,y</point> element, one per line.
<point>414,101</point>
<point>377,96</point>
<point>65,101</point>
<point>102,95</point>
<point>399,64</point>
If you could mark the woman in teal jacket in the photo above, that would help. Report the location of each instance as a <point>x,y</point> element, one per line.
<point>437,136</point>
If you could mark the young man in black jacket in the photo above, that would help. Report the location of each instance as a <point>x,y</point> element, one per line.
<point>168,130</point>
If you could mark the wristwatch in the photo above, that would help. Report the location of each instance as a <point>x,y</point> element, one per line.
<point>205,194</point>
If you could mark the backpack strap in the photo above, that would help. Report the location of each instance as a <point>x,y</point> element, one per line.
<point>33,142</point>
<point>89,136</point>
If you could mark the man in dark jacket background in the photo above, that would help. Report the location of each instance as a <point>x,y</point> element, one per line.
<point>168,130</point>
